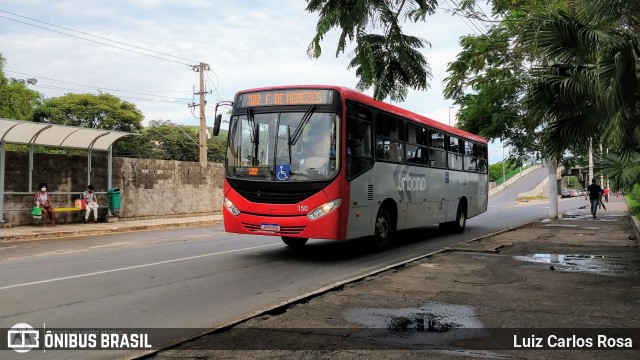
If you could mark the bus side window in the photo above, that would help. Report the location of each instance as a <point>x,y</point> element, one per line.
<point>389,138</point>
<point>416,155</point>
<point>359,139</point>
<point>359,144</point>
<point>480,152</point>
<point>470,160</point>
<point>455,154</point>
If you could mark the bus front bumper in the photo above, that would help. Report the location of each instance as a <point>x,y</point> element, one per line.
<point>299,226</point>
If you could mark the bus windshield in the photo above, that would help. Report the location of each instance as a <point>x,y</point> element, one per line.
<point>283,146</point>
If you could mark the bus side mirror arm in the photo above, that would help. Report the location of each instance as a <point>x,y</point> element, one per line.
<point>218,121</point>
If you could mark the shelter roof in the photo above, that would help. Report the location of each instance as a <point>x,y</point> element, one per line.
<point>62,136</point>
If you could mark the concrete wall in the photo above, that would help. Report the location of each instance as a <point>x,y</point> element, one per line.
<point>149,188</point>
<point>153,188</point>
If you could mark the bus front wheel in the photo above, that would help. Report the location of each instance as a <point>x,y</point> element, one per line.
<point>383,230</point>
<point>294,242</point>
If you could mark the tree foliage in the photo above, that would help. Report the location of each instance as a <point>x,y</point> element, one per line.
<point>171,142</point>
<point>487,81</point>
<point>17,101</point>
<point>384,57</point>
<point>588,85</point>
<point>102,111</point>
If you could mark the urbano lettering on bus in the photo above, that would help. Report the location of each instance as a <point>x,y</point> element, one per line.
<point>412,182</point>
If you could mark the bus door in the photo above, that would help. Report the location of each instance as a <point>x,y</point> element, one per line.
<point>438,177</point>
<point>458,178</point>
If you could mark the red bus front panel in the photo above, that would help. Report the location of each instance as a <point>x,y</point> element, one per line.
<point>287,219</point>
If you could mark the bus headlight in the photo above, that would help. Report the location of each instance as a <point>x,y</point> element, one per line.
<point>232,208</point>
<point>324,209</point>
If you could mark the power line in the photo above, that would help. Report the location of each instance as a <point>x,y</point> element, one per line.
<point>96,87</point>
<point>52,87</point>
<point>98,42</point>
<point>464,19</point>
<point>217,86</point>
<point>98,37</point>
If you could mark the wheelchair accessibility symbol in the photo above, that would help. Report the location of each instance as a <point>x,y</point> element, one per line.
<point>282,172</point>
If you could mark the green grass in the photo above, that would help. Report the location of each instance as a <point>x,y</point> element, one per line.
<point>634,206</point>
<point>531,198</point>
<point>633,200</point>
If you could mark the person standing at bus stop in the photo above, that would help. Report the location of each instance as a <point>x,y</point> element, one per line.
<point>595,192</point>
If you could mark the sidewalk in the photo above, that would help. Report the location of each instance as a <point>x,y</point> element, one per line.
<point>573,279</point>
<point>37,232</point>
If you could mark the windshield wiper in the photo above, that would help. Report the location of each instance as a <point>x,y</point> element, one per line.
<point>255,140</point>
<point>252,124</point>
<point>303,123</point>
<point>289,143</point>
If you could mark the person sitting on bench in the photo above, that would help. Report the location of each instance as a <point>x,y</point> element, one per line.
<point>41,199</point>
<point>90,197</point>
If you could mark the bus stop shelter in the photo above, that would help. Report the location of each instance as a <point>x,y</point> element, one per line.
<point>56,136</point>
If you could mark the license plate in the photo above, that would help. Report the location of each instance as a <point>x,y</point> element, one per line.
<point>270,227</point>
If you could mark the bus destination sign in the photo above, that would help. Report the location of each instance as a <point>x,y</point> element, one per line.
<point>286,97</point>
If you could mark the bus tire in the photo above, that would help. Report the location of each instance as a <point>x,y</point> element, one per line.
<point>457,226</point>
<point>461,219</point>
<point>294,242</point>
<point>383,230</point>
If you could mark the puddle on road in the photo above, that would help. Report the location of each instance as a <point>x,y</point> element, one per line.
<point>428,326</point>
<point>596,264</point>
<point>582,215</point>
<point>570,216</point>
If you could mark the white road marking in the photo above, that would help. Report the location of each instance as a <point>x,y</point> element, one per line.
<point>100,247</point>
<point>117,244</point>
<point>131,267</point>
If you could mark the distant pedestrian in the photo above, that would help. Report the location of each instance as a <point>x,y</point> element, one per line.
<point>606,194</point>
<point>595,192</point>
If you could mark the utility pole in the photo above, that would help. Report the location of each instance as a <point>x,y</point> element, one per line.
<point>201,68</point>
<point>590,163</point>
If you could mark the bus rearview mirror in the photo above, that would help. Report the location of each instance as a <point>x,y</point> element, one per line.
<point>216,125</point>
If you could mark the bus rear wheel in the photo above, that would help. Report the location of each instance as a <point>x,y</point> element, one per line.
<point>294,242</point>
<point>457,226</point>
<point>383,230</point>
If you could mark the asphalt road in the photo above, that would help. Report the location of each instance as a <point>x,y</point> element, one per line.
<point>199,277</point>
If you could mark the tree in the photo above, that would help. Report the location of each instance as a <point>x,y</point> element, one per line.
<point>589,85</point>
<point>488,82</point>
<point>492,67</point>
<point>138,146</point>
<point>174,142</point>
<point>153,123</point>
<point>217,147</point>
<point>384,57</point>
<point>102,111</point>
<point>17,101</point>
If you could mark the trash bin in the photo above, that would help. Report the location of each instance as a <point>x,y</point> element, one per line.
<point>114,198</point>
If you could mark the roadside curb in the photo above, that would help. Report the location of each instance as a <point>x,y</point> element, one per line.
<point>117,228</point>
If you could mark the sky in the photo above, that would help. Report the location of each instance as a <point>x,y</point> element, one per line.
<point>90,46</point>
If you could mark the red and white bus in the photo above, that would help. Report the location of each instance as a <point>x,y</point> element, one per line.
<point>328,162</point>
